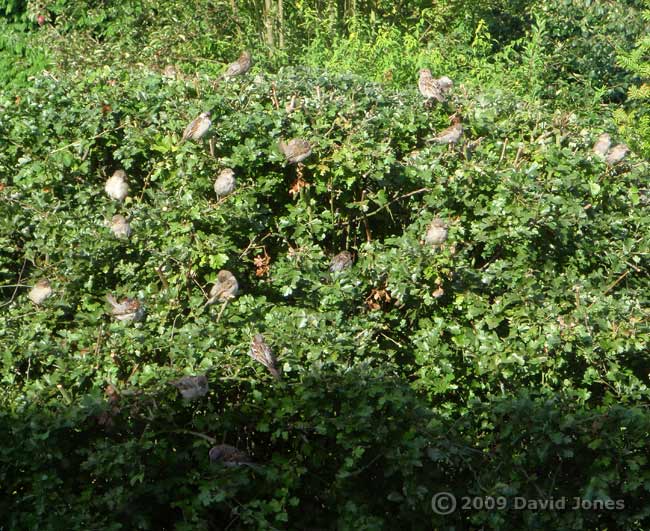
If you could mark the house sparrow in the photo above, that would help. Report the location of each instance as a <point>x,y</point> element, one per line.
<point>40,292</point>
<point>602,145</point>
<point>197,127</point>
<point>617,154</point>
<point>262,353</point>
<point>170,71</point>
<point>225,182</point>
<point>225,288</point>
<point>240,66</point>
<point>192,387</point>
<point>116,186</point>
<point>436,233</point>
<point>128,309</point>
<point>436,89</point>
<point>294,103</point>
<point>341,261</point>
<point>452,134</point>
<point>120,227</point>
<point>296,150</point>
<point>229,456</point>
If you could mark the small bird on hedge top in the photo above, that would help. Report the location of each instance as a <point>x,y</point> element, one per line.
<point>197,127</point>
<point>240,66</point>
<point>434,89</point>
<point>617,154</point>
<point>341,261</point>
<point>128,309</point>
<point>452,134</point>
<point>229,456</point>
<point>40,292</point>
<point>192,387</point>
<point>296,150</point>
<point>170,71</point>
<point>225,182</point>
<point>120,227</point>
<point>116,186</point>
<point>436,233</point>
<point>225,288</point>
<point>261,352</point>
<point>602,145</point>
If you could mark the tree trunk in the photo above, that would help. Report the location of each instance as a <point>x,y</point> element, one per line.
<point>281,24</point>
<point>268,23</point>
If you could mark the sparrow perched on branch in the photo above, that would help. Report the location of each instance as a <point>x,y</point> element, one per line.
<point>452,134</point>
<point>192,387</point>
<point>40,292</point>
<point>225,182</point>
<point>197,127</point>
<point>262,353</point>
<point>116,186</point>
<point>617,154</point>
<point>602,145</point>
<point>229,456</point>
<point>170,71</point>
<point>120,227</point>
<point>225,288</point>
<point>240,66</point>
<point>436,233</point>
<point>296,150</point>
<point>341,261</point>
<point>434,89</point>
<point>128,309</point>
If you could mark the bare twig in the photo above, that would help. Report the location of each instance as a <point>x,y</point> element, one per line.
<point>77,142</point>
<point>503,151</point>
<point>17,285</point>
<point>613,284</point>
<point>375,212</point>
<point>99,339</point>
<point>223,307</point>
<point>162,278</point>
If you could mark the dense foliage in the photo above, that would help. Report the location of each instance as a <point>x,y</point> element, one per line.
<point>511,362</point>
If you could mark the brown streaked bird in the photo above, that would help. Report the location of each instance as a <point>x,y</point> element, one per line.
<point>296,150</point>
<point>434,89</point>
<point>120,227</point>
<point>225,182</point>
<point>341,261</point>
<point>170,71</point>
<point>452,134</point>
<point>191,387</point>
<point>602,145</point>
<point>40,292</point>
<point>128,309</point>
<point>225,288</point>
<point>116,186</point>
<point>262,353</point>
<point>436,233</point>
<point>438,293</point>
<point>617,154</point>
<point>229,456</point>
<point>197,127</point>
<point>240,66</point>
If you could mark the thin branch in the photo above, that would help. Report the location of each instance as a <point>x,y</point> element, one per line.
<point>403,196</point>
<point>77,142</point>
<point>613,284</point>
<point>20,277</point>
<point>223,307</point>
<point>503,151</point>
